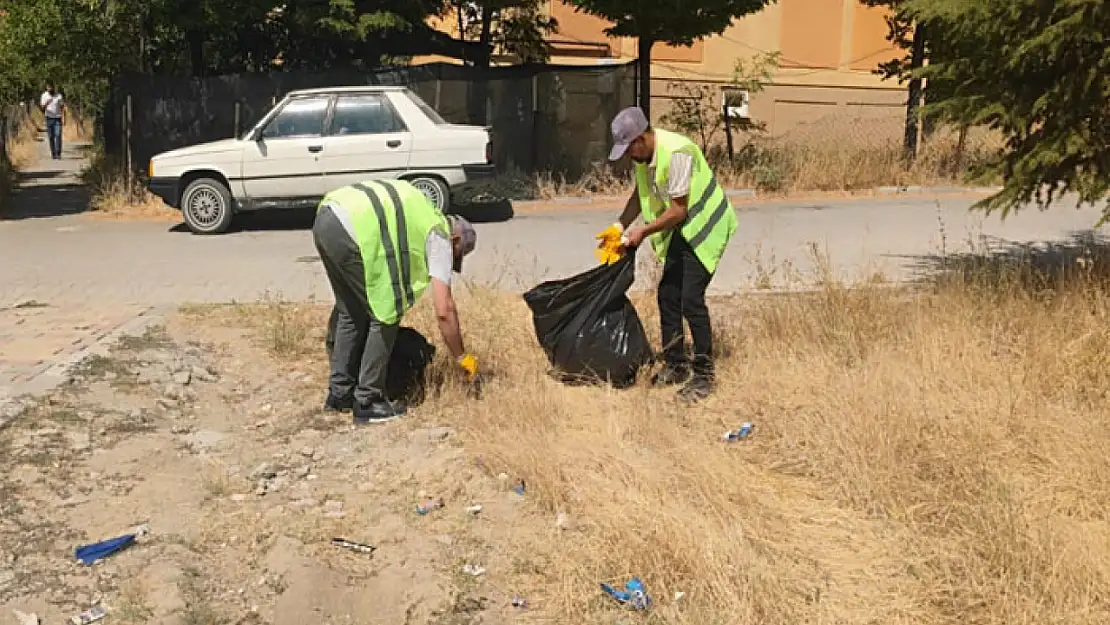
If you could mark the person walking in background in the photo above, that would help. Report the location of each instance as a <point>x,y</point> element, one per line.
<point>53,107</point>
<point>689,220</point>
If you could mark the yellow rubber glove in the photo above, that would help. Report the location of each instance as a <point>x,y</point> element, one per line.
<point>609,250</point>
<point>613,232</point>
<point>469,364</point>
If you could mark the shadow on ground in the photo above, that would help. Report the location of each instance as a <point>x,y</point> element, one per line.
<point>46,199</point>
<point>301,219</point>
<point>1082,256</point>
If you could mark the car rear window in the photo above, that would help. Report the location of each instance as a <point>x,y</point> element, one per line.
<point>428,110</point>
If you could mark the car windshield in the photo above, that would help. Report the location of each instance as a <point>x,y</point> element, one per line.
<point>429,111</point>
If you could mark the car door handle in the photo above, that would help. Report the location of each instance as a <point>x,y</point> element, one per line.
<point>393,143</point>
<point>315,148</point>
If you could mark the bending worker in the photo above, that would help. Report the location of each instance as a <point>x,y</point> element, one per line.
<point>689,220</point>
<point>382,244</point>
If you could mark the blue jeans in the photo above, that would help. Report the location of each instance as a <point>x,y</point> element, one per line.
<point>54,135</point>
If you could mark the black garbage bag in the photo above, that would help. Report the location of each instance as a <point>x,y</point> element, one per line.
<point>588,327</point>
<point>406,375</point>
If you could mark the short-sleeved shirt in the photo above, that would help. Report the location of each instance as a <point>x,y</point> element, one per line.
<point>678,179</point>
<point>52,104</point>
<point>438,252</point>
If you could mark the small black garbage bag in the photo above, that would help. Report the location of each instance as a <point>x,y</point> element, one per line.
<point>588,327</point>
<point>406,375</point>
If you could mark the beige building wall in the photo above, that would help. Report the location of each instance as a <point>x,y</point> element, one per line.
<point>829,49</point>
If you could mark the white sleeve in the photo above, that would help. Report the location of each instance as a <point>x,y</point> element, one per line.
<point>678,180</point>
<point>45,99</point>
<point>440,257</point>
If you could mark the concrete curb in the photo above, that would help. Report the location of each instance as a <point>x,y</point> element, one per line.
<point>53,374</point>
<point>751,194</point>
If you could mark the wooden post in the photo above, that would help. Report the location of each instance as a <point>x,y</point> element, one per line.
<point>127,122</point>
<point>535,121</point>
<point>728,124</point>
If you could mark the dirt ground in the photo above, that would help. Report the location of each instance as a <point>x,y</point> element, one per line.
<point>196,431</point>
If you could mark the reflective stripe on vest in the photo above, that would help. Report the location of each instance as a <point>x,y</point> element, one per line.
<point>710,220</point>
<point>391,220</point>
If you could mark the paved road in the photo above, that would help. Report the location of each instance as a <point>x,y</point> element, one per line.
<point>75,259</point>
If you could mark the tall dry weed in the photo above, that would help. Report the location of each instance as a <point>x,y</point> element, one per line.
<point>23,147</point>
<point>927,455</point>
<point>114,193</point>
<point>836,154</point>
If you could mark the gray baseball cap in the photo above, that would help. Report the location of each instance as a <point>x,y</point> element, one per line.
<point>627,126</point>
<point>468,238</point>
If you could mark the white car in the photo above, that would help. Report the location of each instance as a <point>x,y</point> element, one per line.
<point>317,140</point>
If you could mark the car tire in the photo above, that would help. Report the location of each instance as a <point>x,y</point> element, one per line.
<point>435,190</point>
<point>206,206</point>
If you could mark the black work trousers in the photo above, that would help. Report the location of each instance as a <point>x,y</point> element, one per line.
<point>682,295</point>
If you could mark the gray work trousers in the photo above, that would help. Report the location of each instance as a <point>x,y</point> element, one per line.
<point>362,344</point>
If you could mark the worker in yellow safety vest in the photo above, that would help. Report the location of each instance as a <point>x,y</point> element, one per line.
<point>383,243</point>
<point>689,221</point>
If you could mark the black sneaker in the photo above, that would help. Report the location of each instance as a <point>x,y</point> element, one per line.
<point>379,411</point>
<point>671,375</point>
<point>699,388</point>
<point>339,404</point>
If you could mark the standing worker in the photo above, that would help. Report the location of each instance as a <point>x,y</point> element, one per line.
<point>689,220</point>
<point>382,244</point>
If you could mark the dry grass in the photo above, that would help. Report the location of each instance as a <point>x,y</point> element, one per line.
<point>935,455</point>
<point>855,154</point>
<point>22,152</point>
<point>77,128</point>
<point>843,154</point>
<point>114,194</point>
<point>23,147</point>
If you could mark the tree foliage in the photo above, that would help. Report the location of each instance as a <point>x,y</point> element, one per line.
<point>81,44</point>
<point>666,21</point>
<point>1037,71</point>
<point>697,110</point>
<point>514,27</point>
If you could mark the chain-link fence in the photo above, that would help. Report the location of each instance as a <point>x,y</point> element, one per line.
<point>543,118</point>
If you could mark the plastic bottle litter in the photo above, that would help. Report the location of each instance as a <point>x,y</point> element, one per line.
<point>91,615</point>
<point>744,431</point>
<point>428,505</point>
<point>474,510</point>
<point>519,488</point>
<point>634,595</point>
<point>520,602</point>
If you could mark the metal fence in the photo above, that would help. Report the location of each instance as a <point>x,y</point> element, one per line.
<point>544,118</point>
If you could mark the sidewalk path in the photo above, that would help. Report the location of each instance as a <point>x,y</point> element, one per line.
<point>51,188</point>
<point>36,335</point>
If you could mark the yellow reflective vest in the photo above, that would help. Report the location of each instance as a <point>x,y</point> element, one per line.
<point>711,221</point>
<point>391,220</point>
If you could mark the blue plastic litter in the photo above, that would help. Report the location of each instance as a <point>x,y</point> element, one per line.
<point>89,554</point>
<point>633,595</point>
